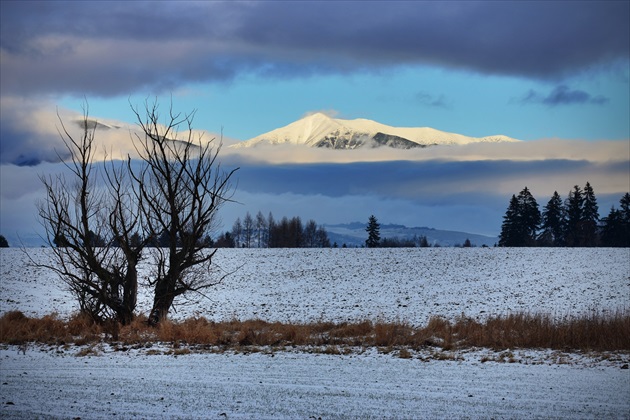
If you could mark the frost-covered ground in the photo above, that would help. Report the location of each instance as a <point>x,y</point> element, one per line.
<point>339,284</point>
<point>355,284</point>
<point>302,386</point>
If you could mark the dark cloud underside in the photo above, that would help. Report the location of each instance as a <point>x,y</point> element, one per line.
<point>118,47</point>
<point>431,180</point>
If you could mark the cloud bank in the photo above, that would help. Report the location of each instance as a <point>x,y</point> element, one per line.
<point>30,136</point>
<point>451,187</point>
<point>30,133</point>
<point>108,50</point>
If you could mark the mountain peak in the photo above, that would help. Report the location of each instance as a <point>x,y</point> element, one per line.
<point>320,130</point>
<point>317,116</point>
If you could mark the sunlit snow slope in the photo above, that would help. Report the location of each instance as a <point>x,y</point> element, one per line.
<point>320,130</point>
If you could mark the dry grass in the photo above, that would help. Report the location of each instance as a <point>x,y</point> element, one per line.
<point>17,328</point>
<point>591,333</point>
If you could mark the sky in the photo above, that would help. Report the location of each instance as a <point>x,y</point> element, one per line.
<point>553,74</point>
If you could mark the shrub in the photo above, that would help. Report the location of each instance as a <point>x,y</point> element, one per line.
<point>596,332</point>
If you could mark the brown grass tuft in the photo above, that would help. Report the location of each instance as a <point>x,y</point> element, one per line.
<point>596,332</point>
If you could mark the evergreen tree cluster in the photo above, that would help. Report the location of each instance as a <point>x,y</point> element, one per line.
<point>574,222</point>
<point>266,232</point>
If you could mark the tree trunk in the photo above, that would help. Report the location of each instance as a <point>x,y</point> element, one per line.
<point>130,294</point>
<point>162,302</point>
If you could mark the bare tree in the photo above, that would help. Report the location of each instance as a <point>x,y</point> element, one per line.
<point>261,229</point>
<point>237,232</point>
<point>248,230</point>
<point>310,233</point>
<point>99,222</point>
<point>89,223</point>
<point>181,186</point>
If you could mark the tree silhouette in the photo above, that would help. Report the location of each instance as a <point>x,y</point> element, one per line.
<point>181,187</point>
<point>521,221</point>
<point>373,230</point>
<point>104,217</point>
<point>573,205</point>
<point>553,222</point>
<point>590,217</point>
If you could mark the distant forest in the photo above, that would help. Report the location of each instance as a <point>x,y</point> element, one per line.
<point>266,232</point>
<point>573,222</point>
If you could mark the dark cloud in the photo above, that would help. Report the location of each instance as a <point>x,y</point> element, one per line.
<point>433,181</point>
<point>563,95</point>
<point>25,149</point>
<point>430,100</point>
<point>24,138</point>
<point>466,195</point>
<point>111,48</point>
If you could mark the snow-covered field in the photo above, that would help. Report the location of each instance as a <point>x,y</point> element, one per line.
<point>355,284</point>
<point>338,284</point>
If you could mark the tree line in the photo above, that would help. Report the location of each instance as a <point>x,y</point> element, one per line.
<point>266,232</point>
<point>572,222</point>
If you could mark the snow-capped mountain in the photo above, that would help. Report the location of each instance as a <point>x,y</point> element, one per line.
<point>320,130</point>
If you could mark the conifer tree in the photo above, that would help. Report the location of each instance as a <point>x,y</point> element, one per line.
<point>574,205</point>
<point>615,231</point>
<point>521,221</point>
<point>612,233</point>
<point>510,232</point>
<point>625,217</point>
<point>373,230</point>
<point>590,217</point>
<point>530,216</point>
<point>553,222</point>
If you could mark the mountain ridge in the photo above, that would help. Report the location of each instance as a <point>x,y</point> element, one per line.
<point>320,130</point>
<point>354,234</point>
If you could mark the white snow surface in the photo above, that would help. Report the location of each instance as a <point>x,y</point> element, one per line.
<point>349,284</point>
<point>337,284</point>
<point>313,128</point>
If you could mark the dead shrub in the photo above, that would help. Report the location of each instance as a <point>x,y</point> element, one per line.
<point>596,332</point>
<point>82,326</point>
<point>13,316</point>
<point>13,328</point>
<point>292,334</point>
<point>181,351</point>
<point>438,332</point>
<point>167,331</point>
<point>334,350</point>
<point>258,333</point>
<point>88,351</point>
<point>354,334</point>
<point>49,329</point>
<point>404,354</point>
<point>392,334</point>
<point>137,332</point>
